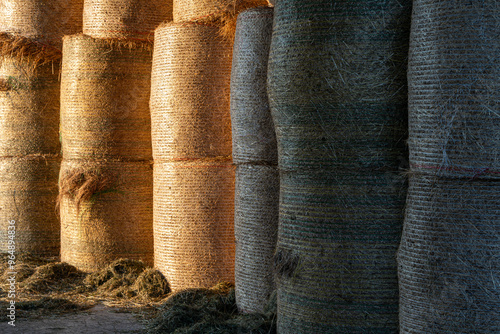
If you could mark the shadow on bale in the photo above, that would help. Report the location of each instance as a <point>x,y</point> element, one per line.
<point>211,311</point>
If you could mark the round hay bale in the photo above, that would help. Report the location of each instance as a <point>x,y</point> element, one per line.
<point>449,261</point>
<point>336,254</point>
<point>105,88</point>
<point>256,228</point>
<point>454,89</point>
<point>44,21</point>
<point>254,139</point>
<point>28,192</point>
<point>131,19</point>
<point>337,87</point>
<point>221,13</point>
<point>337,92</point>
<point>29,108</point>
<point>106,212</point>
<point>190,93</point>
<point>193,222</point>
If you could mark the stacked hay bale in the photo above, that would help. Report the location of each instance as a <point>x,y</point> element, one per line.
<point>191,131</point>
<point>106,178</point>
<point>449,256</point>
<point>337,91</point>
<point>30,50</point>
<point>256,158</point>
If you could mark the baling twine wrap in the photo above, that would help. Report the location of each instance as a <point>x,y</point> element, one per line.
<point>193,173</point>
<point>105,99</point>
<point>193,222</point>
<point>28,192</point>
<point>448,259</point>
<point>218,13</point>
<point>38,21</point>
<point>106,179</point>
<point>453,76</point>
<point>106,212</point>
<point>29,108</point>
<point>127,19</point>
<point>190,93</point>
<point>337,91</point>
<point>255,154</point>
<point>449,255</point>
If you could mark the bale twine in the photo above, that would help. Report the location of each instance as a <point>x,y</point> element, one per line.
<point>256,229</point>
<point>449,263</point>
<point>337,91</point>
<point>454,88</point>
<point>131,19</point>
<point>254,139</point>
<point>106,212</point>
<point>29,108</point>
<point>190,93</point>
<point>45,21</point>
<point>105,89</point>
<point>255,153</point>
<point>193,222</point>
<point>336,255</point>
<point>343,81</point>
<point>28,192</point>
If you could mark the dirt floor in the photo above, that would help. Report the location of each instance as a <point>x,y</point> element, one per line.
<point>96,320</point>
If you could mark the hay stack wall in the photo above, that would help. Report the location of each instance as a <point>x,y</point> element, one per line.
<point>449,255</point>
<point>193,171</point>
<point>255,156</point>
<point>30,51</point>
<point>337,91</point>
<point>106,179</point>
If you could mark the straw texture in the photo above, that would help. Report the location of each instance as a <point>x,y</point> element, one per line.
<point>188,10</point>
<point>190,93</point>
<point>254,139</point>
<point>255,154</point>
<point>116,221</point>
<point>449,262</point>
<point>29,108</point>
<point>256,229</point>
<point>131,19</point>
<point>454,88</point>
<point>42,20</point>
<point>28,192</point>
<point>193,222</point>
<point>105,89</point>
<point>337,91</point>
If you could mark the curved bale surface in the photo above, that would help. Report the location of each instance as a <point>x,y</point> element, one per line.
<point>106,212</point>
<point>29,108</point>
<point>105,89</point>
<point>190,93</point>
<point>28,193</point>
<point>454,89</point>
<point>43,21</point>
<point>193,222</point>
<point>337,91</point>
<point>449,256</point>
<point>255,154</point>
<point>189,10</point>
<point>130,19</point>
<point>254,138</point>
<point>256,229</point>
